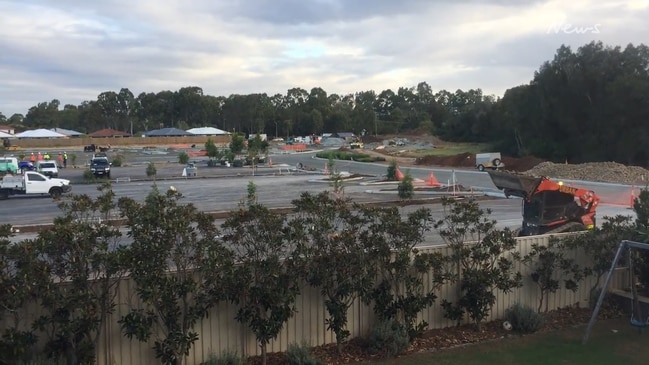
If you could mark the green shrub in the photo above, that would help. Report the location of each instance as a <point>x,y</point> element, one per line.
<point>151,171</point>
<point>227,357</point>
<point>524,319</point>
<point>300,354</point>
<point>405,187</point>
<point>389,338</point>
<point>118,161</point>
<point>392,171</point>
<point>89,176</point>
<point>348,156</point>
<point>183,158</point>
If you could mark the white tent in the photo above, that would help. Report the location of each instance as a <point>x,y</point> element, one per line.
<point>6,135</point>
<point>207,131</point>
<point>40,133</point>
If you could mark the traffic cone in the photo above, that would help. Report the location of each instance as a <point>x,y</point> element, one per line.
<point>326,170</point>
<point>399,175</point>
<point>432,180</point>
<point>270,161</point>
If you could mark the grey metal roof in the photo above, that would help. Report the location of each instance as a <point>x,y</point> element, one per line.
<point>167,132</point>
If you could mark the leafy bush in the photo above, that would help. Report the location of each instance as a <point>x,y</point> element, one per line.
<point>524,319</point>
<point>118,161</point>
<point>227,357</point>
<point>348,156</point>
<point>300,354</point>
<point>389,338</point>
<point>151,171</point>
<point>89,176</point>
<point>392,171</point>
<point>183,158</point>
<point>405,187</point>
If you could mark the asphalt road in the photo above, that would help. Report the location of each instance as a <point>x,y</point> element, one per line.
<point>615,194</point>
<point>274,190</point>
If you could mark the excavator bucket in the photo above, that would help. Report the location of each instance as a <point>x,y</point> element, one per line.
<point>516,185</point>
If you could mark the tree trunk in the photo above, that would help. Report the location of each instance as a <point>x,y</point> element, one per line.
<point>263,354</point>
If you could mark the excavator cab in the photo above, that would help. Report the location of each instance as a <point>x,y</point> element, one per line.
<point>548,207</point>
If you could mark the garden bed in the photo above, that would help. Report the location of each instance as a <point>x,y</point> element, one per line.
<point>446,338</point>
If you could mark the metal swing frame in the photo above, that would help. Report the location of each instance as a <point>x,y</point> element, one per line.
<point>624,245</point>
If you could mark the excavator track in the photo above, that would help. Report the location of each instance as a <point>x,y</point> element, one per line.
<point>568,227</point>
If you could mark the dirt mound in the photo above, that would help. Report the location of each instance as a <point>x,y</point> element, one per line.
<point>611,172</point>
<point>461,160</point>
<point>468,160</point>
<point>521,164</point>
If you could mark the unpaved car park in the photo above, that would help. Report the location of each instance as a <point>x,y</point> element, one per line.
<point>222,188</point>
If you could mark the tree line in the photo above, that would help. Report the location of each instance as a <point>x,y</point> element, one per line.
<point>575,104</point>
<point>183,264</point>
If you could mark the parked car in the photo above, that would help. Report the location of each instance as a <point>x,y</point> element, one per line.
<point>100,167</point>
<point>9,165</point>
<point>191,169</point>
<point>26,166</point>
<point>47,168</point>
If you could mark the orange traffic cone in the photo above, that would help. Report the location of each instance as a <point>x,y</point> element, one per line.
<point>399,175</point>
<point>432,180</point>
<point>270,161</point>
<point>326,170</point>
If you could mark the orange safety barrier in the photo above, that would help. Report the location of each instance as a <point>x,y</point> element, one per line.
<point>200,153</point>
<point>300,147</point>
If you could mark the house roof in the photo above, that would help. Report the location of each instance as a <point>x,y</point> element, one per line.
<point>5,127</point>
<point>39,133</point>
<point>167,132</point>
<point>67,132</point>
<point>103,133</point>
<point>207,131</point>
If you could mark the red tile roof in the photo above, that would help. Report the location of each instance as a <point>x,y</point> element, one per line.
<point>103,133</point>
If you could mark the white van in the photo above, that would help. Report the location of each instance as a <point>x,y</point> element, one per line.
<point>48,168</point>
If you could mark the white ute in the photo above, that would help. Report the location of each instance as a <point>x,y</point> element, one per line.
<point>32,183</point>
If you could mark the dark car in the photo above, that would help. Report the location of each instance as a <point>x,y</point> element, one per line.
<point>100,167</point>
<point>26,166</point>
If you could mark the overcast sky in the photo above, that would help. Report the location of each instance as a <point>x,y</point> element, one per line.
<point>73,50</point>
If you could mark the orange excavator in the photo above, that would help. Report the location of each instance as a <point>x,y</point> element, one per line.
<point>549,207</point>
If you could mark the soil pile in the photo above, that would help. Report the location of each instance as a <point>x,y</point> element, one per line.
<point>461,160</point>
<point>468,160</point>
<point>611,172</point>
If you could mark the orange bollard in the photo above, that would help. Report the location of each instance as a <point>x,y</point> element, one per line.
<point>399,175</point>
<point>432,180</point>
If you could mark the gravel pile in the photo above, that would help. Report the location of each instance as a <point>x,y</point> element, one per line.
<point>611,172</point>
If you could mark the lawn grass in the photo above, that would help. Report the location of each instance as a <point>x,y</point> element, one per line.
<point>605,347</point>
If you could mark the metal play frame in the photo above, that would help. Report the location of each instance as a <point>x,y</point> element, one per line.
<point>625,244</point>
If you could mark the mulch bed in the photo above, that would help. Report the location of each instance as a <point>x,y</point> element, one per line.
<point>446,338</point>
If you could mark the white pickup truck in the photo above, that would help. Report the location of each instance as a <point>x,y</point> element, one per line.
<point>32,183</point>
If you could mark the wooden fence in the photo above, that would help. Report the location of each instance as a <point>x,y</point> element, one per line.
<point>220,331</point>
<point>120,141</point>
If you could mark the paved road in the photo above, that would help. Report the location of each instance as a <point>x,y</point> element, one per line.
<point>224,194</point>
<point>615,194</point>
<point>506,211</point>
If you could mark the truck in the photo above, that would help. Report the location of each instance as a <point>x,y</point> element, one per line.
<point>488,160</point>
<point>33,183</point>
<point>549,207</point>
